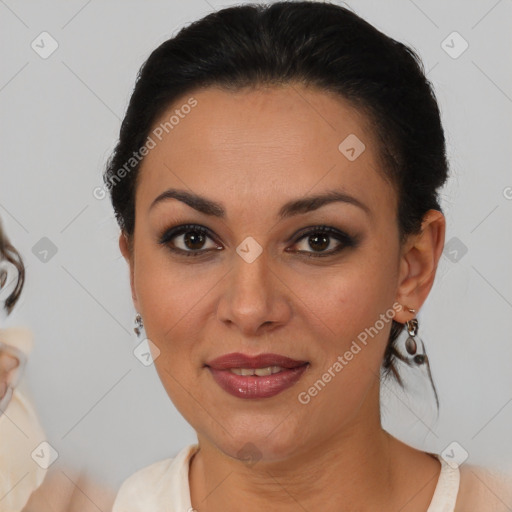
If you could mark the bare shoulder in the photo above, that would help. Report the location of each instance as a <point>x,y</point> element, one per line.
<point>484,489</point>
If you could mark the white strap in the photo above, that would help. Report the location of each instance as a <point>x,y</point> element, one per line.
<point>447,489</point>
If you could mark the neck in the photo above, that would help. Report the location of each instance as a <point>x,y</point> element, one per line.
<point>355,469</point>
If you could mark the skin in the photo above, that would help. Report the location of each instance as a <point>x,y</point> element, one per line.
<point>253,151</point>
<point>8,364</point>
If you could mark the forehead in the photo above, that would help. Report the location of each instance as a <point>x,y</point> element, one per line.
<point>263,145</point>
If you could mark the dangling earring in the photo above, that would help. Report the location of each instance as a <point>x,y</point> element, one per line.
<point>138,324</point>
<point>411,347</point>
<point>410,343</point>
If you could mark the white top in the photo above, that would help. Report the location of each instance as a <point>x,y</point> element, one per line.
<point>164,487</point>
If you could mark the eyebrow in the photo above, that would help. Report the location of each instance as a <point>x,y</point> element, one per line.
<point>289,209</point>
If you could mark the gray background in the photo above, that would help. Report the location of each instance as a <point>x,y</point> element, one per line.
<point>101,408</point>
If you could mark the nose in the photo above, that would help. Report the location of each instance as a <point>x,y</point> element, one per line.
<point>254,299</point>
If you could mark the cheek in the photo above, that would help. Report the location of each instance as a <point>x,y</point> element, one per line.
<point>171,297</point>
<point>344,300</point>
<point>354,308</point>
<point>350,309</point>
<point>170,294</point>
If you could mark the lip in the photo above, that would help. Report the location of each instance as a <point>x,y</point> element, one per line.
<point>252,386</point>
<point>238,360</point>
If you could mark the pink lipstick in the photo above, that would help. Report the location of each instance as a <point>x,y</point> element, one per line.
<point>261,376</point>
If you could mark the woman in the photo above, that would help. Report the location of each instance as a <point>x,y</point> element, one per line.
<point>276,184</point>
<point>29,481</point>
<point>22,465</point>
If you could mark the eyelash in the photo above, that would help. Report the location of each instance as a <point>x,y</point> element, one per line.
<point>345,239</point>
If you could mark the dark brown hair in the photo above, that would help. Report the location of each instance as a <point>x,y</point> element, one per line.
<point>10,254</point>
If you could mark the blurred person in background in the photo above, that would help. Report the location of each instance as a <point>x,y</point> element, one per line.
<point>28,480</point>
<point>20,430</point>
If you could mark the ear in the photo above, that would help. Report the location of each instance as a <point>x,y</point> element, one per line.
<point>127,253</point>
<point>418,264</point>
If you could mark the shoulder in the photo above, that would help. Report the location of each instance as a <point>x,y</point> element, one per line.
<point>484,489</point>
<point>151,474</point>
<point>133,493</point>
<point>155,484</point>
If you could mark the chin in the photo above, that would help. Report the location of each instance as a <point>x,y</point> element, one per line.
<point>259,447</point>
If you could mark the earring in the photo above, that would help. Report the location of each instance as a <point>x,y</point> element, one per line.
<point>412,347</point>
<point>410,343</point>
<point>138,324</point>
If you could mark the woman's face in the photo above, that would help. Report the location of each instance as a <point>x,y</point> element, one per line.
<point>256,282</point>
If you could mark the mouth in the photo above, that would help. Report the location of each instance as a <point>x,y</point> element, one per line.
<point>261,376</point>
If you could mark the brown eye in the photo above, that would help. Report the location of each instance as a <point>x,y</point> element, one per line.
<point>188,240</point>
<point>319,242</point>
<point>324,241</point>
<point>193,240</point>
